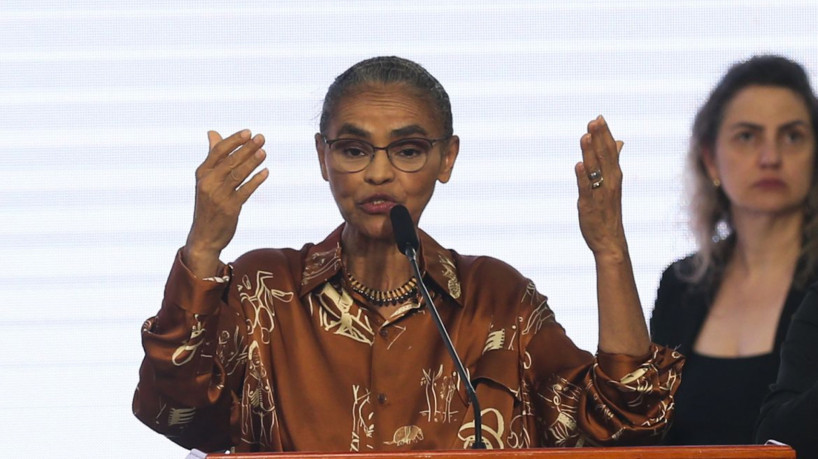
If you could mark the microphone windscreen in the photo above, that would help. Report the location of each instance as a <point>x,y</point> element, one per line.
<point>404,229</point>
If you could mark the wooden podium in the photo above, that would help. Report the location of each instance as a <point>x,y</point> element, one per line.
<point>642,452</point>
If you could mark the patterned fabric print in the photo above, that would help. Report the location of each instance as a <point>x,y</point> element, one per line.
<point>518,435</point>
<point>258,406</point>
<point>321,263</point>
<point>450,273</point>
<point>176,417</point>
<point>440,391</point>
<point>362,426</point>
<point>335,316</point>
<point>406,435</point>
<point>495,341</point>
<point>563,397</point>
<point>541,315</point>
<point>231,351</point>
<point>185,353</point>
<point>493,430</point>
<point>262,312</point>
<point>638,384</point>
<point>532,382</point>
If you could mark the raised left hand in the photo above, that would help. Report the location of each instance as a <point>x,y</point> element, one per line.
<point>599,180</point>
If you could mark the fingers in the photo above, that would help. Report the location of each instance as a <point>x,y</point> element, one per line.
<point>245,191</point>
<point>243,162</point>
<point>213,138</point>
<point>603,145</point>
<point>600,152</point>
<point>590,160</point>
<point>231,160</point>
<point>221,148</point>
<point>583,181</point>
<point>228,165</point>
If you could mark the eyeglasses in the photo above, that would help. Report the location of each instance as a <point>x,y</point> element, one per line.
<point>354,155</point>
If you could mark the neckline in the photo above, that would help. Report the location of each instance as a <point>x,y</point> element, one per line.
<point>380,298</point>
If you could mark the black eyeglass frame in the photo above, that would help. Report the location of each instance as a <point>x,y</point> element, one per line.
<point>432,143</point>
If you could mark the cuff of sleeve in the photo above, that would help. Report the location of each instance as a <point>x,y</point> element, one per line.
<point>192,294</point>
<point>620,366</point>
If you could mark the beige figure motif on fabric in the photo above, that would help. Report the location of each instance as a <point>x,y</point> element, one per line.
<point>180,416</point>
<point>401,331</point>
<point>321,263</point>
<point>231,352</point>
<point>185,353</point>
<point>530,293</point>
<point>336,316</point>
<point>450,273</point>
<point>493,430</point>
<point>596,401</point>
<point>409,305</point>
<point>518,436</point>
<point>665,407</point>
<point>440,391</point>
<point>257,400</point>
<point>262,301</point>
<point>564,427</point>
<point>176,416</point>
<point>659,422</point>
<point>540,315</point>
<point>636,382</point>
<point>406,435</point>
<point>362,426</point>
<point>495,341</point>
<point>527,361</point>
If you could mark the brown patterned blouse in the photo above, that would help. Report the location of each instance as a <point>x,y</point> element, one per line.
<point>277,355</point>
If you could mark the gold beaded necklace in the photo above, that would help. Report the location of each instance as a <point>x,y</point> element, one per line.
<point>381,298</point>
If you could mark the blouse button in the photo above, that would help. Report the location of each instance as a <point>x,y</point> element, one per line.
<point>384,333</point>
<point>381,398</point>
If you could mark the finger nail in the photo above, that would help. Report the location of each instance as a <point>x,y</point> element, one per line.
<point>245,134</point>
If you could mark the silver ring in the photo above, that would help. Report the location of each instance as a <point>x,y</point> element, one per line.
<point>597,184</point>
<point>235,179</point>
<point>595,175</point>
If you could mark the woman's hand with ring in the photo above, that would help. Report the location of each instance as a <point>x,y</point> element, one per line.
<point>599,180</point>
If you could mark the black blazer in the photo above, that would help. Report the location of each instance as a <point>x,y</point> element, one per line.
<point>681,308</point>
<point>680,311</point>
<point>790,412</point>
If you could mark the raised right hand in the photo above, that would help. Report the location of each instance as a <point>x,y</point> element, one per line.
<point>221,191</point>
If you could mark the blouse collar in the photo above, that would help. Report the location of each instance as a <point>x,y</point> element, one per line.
<point>322,262</point>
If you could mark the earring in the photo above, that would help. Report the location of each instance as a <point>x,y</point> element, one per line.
<point>716,182</point>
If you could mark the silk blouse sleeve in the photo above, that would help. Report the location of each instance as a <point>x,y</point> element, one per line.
<point>184,392</point>
<point>603,400</point>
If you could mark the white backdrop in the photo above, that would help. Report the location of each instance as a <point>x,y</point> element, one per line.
<point>104,106</point>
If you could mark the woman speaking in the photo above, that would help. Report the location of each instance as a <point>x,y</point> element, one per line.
<point>331,347</point>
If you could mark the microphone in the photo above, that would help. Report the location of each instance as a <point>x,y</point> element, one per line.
<point>407,240</point>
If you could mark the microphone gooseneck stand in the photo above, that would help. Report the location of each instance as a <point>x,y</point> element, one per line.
<point>407,241</point>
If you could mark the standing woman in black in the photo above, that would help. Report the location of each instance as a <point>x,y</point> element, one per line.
<point>753,211</point>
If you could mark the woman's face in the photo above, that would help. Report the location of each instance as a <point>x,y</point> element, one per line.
<point>765,151</point>
<point>381,115</point>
